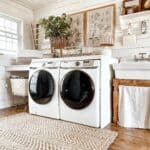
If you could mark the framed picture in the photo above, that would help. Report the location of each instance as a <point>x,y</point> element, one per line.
<point>78,23</point>
<point>100,26</point>
<point>131,6</point>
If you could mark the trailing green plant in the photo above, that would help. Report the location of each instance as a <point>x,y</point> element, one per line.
<point>57,26</point>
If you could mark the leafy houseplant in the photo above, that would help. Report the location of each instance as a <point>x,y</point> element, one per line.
<point>57,29</point>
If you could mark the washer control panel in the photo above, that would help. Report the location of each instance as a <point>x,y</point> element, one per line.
<point>44,64</point>
<point>35,65</point>
<point>52,64</point>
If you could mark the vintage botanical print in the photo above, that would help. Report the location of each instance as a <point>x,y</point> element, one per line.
<point>77,39</point>
<point>100,26</point>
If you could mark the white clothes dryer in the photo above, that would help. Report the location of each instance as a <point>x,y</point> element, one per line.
<point>85,91</point>
<point>79,92</point>
<point>43,89</point>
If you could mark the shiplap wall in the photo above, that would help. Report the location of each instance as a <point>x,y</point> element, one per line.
<point>26,15</point>
<point>72,6</point>
<point>11,9</point>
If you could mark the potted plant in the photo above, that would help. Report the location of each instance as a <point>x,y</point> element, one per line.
<point>57,29</point>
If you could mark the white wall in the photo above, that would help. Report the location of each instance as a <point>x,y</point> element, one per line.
<point>68,6</point>
<point>71,6</point>
<point>9,8</point>
<point>26,15</point>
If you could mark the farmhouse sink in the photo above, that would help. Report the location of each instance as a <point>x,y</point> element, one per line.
<point>132,70</point>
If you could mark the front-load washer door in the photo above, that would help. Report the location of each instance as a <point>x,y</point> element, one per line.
<point>77,89</point>
<point>41,87</point>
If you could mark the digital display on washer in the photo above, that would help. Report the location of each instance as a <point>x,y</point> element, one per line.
<point>77,89</point>
<point>41,87</point>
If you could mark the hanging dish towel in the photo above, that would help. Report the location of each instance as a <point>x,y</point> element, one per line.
<point>134,107</point>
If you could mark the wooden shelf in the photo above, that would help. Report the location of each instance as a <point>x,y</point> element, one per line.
<point>136,15</point>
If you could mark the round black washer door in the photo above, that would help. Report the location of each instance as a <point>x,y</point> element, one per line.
<point>77,89</point>
<point>41,87</point>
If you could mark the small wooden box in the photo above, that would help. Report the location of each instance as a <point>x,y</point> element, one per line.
<point>131,6</point>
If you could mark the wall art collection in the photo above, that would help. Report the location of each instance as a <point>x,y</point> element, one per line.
<point>93,28</point>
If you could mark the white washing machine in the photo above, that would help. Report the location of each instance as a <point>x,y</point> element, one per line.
<point>43,89</point>
<point>81,98</point>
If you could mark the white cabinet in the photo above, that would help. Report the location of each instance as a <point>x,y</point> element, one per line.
<point>3,94</point>
<point>2,73</point>
<point>4,90</point>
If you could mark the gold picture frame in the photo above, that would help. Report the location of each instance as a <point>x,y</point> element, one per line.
<point>78,28</point>
<point>100,26</point>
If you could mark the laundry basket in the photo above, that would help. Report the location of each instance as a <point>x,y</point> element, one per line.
<point>19,85</point>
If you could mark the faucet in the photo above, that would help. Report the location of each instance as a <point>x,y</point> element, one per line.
<point>142,57</point>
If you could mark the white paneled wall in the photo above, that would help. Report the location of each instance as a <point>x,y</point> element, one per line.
<point>5,100</point>
<point>9,8</point>
<point>71,6</point>
<point>26,15</point>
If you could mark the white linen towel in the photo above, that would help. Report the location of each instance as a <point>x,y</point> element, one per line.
<point>134,107</point>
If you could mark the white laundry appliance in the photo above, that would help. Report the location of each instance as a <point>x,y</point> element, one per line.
<point>85,91</point>
<point>43,88</point>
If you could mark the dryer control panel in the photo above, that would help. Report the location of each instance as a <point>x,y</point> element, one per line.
<point>80,64</point>
<point>88,63</point>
